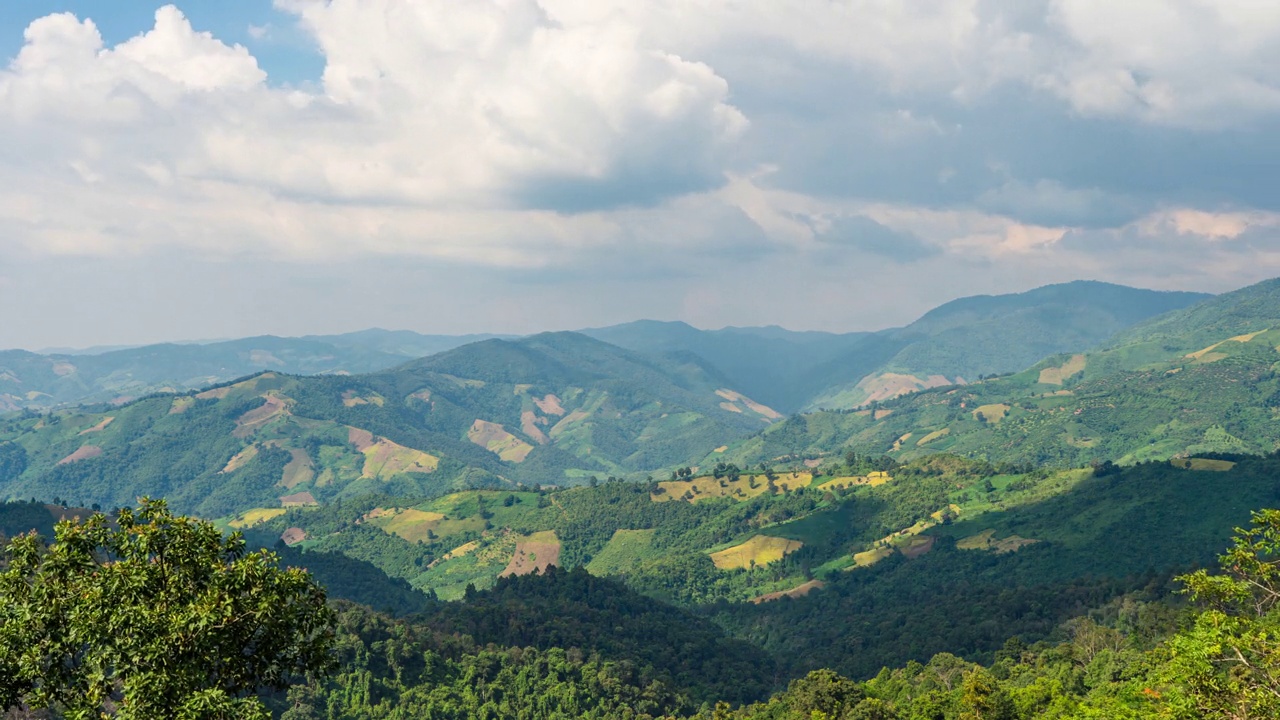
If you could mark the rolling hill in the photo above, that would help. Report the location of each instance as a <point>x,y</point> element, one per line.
<point>954,343</point>
<point>35,380</point>
<point>1200,379</point>
<point>554,408</point>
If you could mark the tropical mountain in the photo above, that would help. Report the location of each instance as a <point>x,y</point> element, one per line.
<point>35,380</point>
<point>966,339</point>
<point>554,408</point>
<point>774,365</point>
<point>1201,379</point>
<point>955,343</point>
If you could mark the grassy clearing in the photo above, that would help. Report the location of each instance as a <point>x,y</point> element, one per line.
<point>1202,464</point>
<point>795,592</point>
<point>1059,375</point>
<point>744,488</point>
<point>534,553</point>
<point>986,540</point>
<point>874,478</point>
<point>756,552</point>
<point>992,413</point>
<point>411,524</point>
<point>383,459</point>
<point>625,550</point>
<point>249,518</point>
<point>495,438</point>
<point>933,436</point>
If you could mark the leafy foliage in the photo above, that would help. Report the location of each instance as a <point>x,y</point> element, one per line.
<point>156,617</point>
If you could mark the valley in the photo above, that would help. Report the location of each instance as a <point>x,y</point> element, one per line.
<point>563,492</point>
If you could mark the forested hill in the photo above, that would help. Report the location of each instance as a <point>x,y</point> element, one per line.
<point>1197,380</point>
<point>955,342</point>
<point>35,380</point>
<point>967,338</point>
<point>555,408</point>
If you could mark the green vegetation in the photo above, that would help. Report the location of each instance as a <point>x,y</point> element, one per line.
<point>155,617</point>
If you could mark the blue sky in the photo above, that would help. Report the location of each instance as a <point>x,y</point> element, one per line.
<point>288,56</point>
<point>212,169</point>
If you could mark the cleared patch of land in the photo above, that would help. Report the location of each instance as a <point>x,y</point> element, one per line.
<point>240,459</point>
<point>495,438</point>
<point>293,536</point>
<point>873,478</point>
<point>935,435</point>
<point>99,427</point>
<point>1060,374</point>
<point>383,458</point>
<point>350,398</point>
<point>745,487</point>
<point>84,452</point>
<point>529,422</point>
<point>549,405</point>
<point>181,404</point>
<point>411,524</point>
<point>1202,464</point>
<point>625,550</point>
<point>273,406</point>
<point>249,518</point>
<point>736,398</point>
<point>534,553</point>
<point>986,540</point>
<point>302,499</point>
<point>890,385</point>
<point>795,592</point>
<point>760,550</point>
<point>991,413</point>
<point>298,471</point>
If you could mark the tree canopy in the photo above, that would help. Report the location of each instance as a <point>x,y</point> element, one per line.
<point>153,616</point>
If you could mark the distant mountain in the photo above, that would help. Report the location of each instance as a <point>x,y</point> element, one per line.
<point>773,365</point>
<point>32,380</point>
<point>954,343</point>
<point>989,335</point>
<point>553,408</point>
<point>1196,380</point>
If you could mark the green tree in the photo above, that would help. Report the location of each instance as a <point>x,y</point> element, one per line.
<point>1227,665</point>
<point>157,616</point>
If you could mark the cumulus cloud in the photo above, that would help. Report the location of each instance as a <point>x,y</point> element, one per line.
<point>551,141</point>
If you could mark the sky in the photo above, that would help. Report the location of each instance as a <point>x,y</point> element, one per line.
<point>210,169</point>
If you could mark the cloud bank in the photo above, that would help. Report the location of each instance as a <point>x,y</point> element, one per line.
<point>719,162</point>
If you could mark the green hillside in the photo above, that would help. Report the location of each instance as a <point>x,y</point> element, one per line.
<point>34,380</point>
<point>1169,388</point>
<point>555,408</point>
<point>988,335</point>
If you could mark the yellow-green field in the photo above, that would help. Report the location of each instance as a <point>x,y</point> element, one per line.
<point>495,438</point>
<point>625,550</point>
<point>385,458</point>
<point>249,518</point>
<point>411,524</point>
<point>873,478</point>
<point>1202,464</point>
<point>756,552</point>
<point>1060,374</point>
<point>744,488</point>
<point>935,435</point>
<point>795,592</point>
<point>992,413</point>
<point>985,540</point>
<point>241,459</point>
<point>1208,355</point>
<point>870,557</point>
<point>299,470</point>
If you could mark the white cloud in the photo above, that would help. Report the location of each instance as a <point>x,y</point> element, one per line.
<point>695,136</point>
